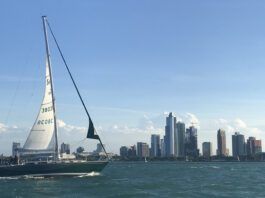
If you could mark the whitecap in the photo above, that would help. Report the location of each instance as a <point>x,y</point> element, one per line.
<point>215,167</point>
<point>8,178</point>
<point>92,174</point>
<point>32,177</point>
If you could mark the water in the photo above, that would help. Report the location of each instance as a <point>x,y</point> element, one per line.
<point>152,179</point>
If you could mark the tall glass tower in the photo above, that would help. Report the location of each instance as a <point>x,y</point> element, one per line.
<point>170,135</point>
<point>180,139</point>
<point>221,143</point>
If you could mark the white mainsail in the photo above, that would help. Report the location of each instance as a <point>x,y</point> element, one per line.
<point>42,132</point>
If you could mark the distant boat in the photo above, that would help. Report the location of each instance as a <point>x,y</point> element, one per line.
<point>40,155</point>
<point>238,159</point>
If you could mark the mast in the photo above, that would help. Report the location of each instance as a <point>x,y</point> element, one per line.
<point>44,19</point>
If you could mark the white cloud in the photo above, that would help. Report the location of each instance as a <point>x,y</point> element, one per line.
<point>3,127</point>
<point>61,123</point>
<point>124,129</point>
<point>231,126</point>
<point>145,126</point>
<point>9,134</point>
<point>209,129</point>
<point>189,119</point>
<point>239,124</point>
<point>70,128</point>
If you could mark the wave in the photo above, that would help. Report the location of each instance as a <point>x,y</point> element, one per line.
<point>8,178</point>
<point>32,177</point>
<point>38,177</point>
<point>92,174</point>
<point>215,167</point>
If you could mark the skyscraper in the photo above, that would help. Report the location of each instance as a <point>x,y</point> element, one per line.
<point>170,135</point>
<point>155,146</point>
<point>132,151</point>
<point>15,149</point>
<point>142,149</point>
<point>238,144</point>
<point>124,151</point>
<point>65,148</point>
<point>163,150</point>
<point>191,142</point>
<point>253,146</point>
<point>180,140</point>
<point>206,149</point>
<point>258,147</point>
<point>221,143</point>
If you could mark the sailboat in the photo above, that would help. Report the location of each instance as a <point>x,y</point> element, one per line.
<point>40,154</point>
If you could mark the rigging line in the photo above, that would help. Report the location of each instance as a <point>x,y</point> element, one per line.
<point>72,79</point>
<point>13,100</point>
<point>68,70</point>
<point>77,142</point>
<point>37,70</point>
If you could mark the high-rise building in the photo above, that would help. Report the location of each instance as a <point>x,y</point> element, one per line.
<point>163,149</point>
<point>191,142</point>
<point>142,149</point>
<point>15,149</point>
<point>221,143</point>
<point>207,149</point>
<point>124,151</point>
<point>180,139</point>
<point>132,152</point>
<point>253,146</point>
<point>227,152</point>
<point>80,149</point>
<point>258,146</point>
<point>65,148</point>
<point>238,144</point>
<point>170,135</point>
<point>99,148</point>
<point>155,146</point>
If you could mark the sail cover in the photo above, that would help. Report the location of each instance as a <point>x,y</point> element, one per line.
<point>42,132</point>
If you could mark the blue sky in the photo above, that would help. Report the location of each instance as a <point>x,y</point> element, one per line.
<point>135,60</point>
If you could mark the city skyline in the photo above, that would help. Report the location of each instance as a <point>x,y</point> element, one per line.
<point>181,142</point>
<point>132,63</point>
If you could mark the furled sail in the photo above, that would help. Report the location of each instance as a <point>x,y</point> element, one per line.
<point>42,132</point>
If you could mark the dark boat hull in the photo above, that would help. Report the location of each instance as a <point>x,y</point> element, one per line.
<point>53,169</point>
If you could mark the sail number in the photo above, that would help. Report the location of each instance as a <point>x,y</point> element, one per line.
<point>46,109</point>
<point>47,121</point>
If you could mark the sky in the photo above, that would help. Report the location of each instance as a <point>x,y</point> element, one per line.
<point>135,61</point>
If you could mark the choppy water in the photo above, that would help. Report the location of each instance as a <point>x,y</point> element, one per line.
<point>153,179</point>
